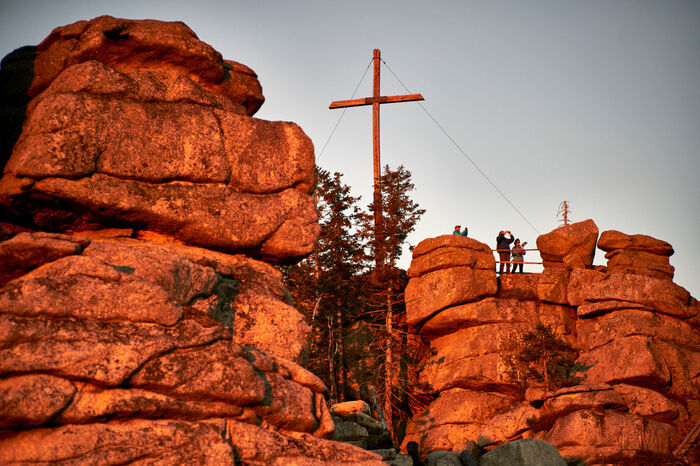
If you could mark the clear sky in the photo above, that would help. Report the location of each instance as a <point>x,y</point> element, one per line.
<point>596,103</point>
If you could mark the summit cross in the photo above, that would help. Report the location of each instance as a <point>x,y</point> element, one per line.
<point>375,101</point>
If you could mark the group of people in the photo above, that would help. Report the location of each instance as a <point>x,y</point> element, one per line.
<point>505,253</point>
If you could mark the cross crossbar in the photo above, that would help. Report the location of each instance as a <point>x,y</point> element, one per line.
<point>370,100</point>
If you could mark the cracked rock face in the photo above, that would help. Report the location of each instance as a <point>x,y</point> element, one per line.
<point>138,124</point>
<point>634,330</point>
<point>138,323</point>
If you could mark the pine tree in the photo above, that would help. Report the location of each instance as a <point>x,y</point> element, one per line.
<point>324,285</point>
<point>543,357</point>
<point>400,216</point>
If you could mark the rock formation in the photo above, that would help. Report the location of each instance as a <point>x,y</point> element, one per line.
<point>140,319</point>
<point>635,331</point>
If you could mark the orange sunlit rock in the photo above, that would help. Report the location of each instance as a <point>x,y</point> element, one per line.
<point>635,335</point>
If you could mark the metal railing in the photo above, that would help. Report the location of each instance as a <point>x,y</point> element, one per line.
<point>514,262</point>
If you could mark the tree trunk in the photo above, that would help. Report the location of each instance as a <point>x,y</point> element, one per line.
<point>389,362</point>
<point>331,363</point>
<point>341,352</point>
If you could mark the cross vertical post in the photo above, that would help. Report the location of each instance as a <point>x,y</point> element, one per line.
<point>379,258</point>
<point>376,100</point>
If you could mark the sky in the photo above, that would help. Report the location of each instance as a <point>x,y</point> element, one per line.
<point>527,103</point>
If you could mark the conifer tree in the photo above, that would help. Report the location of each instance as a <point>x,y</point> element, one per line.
<point>400,215</point>
<point>324,285</point>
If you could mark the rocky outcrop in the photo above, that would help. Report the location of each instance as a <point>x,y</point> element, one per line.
<point>633,330</point>
<point>448,270</point>
<point>138,320</point>
<point>118,337</point>
<point>139,123</point>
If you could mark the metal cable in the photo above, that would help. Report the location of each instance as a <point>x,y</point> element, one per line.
<point>344,110</point>
<point>463,152</point>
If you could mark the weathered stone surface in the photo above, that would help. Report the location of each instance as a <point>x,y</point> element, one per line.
<point>485,311</point>
<point>349,431</point>
<point>576,241</point>
<point>447,287</point>
<point>350,408</point>
<point>216,372</point>
<point>662,295</point>
<point>482,372</point>
<point>463,242</point>
<point>451,437</point>
<point>203,160</point>
<point>629,360</point>
<point>270,325</point>
<point>280,226</point>
<point>95,404</point>
<point>599,308</point>
<point>552,286</point>
<point>684,367</point>
<point>611,437</point>
<point>508,424</point>
<point>257,446</point>
<point>593,333</point>
<point>561,319</point>
<point>648,403</point>
<point>291,406</point>
<point>368,421</point>
<point>300,375</point>
<point>28,250</point>
<point>612,239</point>
<point>266,156</point>
<point>145,45</point>
<point>594,399</point>
<point>31,400</point>
<point>525,452</point>
<point>449,251</point>
<point>163,441</point>
<point>326,426</point>
<point>83,287</point>
<point>104,352</point>
<point>180,278</point>
<point>640,263</point>
<point>443,458</point>
<point>518,286</point>
<point>459,406</point>
<point>580,280</point>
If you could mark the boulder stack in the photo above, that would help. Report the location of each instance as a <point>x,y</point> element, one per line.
<point>140,124</point>
<point>635,333</point>
<point>637,254</point>
<point>140,318</point>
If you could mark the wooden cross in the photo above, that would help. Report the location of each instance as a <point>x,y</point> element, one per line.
<point>375,101</point>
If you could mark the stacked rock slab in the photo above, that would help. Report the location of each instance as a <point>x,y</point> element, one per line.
<point>636,331</point>
<point>144,326</point>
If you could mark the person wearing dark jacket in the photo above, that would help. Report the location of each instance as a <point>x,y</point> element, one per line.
<point>503,248</point>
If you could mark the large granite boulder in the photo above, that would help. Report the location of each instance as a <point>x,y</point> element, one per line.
<point>524,452</point>
<point>454,418</point>
<point>636,254</point>
<point>139,124</point>
<point>448,270</point>
<point>571,246</point>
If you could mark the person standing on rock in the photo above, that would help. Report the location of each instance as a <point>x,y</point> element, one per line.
<point>518,252</point>
<point>503,248</point>
<point>461,233</point>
